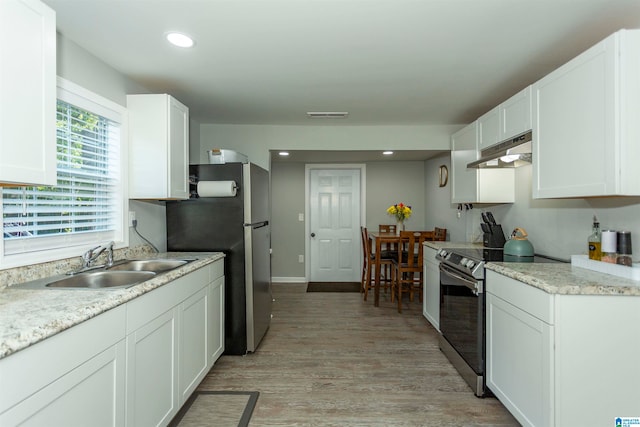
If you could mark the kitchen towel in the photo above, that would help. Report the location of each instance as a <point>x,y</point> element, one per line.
<point>217,188</point>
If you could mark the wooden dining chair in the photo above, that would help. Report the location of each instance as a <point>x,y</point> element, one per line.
<point>367,281</point>
<point>388,250</point>
<point>406,270</point>
<point>366,259</point>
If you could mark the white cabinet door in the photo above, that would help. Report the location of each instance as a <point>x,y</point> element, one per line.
<point>431,303</point>
<point>585,124</point>
<point>152,353</point>
<point>178,150</point>
<point>519,351</point>
<point>515,115</point>
<point>509,119</point>
<point>27,93</point>
<point>193,360</point>
<point>476,185</point>
<point>158,147</point>
<point>519,345</point>
<point>90,395</point>
<point>489,129</point>
<point>463,151</point>
<point>215,331</point>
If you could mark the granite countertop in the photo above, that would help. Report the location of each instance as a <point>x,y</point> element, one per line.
<point>555,278</point>
<point>566,279</point>
<point>28,316</point>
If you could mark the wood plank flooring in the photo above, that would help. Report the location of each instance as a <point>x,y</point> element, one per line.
<point>331,359</point>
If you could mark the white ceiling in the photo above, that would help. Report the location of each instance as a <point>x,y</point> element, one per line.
<point>383,61</point>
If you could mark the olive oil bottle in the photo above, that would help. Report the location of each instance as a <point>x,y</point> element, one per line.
<point>595,241</point>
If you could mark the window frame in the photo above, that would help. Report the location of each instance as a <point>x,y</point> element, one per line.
<point>80,97</point>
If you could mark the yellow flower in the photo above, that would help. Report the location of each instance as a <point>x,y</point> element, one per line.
<point>400,211</point>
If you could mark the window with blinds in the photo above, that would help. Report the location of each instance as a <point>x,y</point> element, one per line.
<point>86,204</point>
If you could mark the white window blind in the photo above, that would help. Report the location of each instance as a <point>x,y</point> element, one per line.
<point>85,205</point>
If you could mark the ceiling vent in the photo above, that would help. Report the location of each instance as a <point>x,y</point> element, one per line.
<point>327,114</point>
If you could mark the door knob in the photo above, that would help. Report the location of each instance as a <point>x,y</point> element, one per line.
<point>313,234</point>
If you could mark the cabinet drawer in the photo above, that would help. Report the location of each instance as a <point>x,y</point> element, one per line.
<point>527,298</point>
<point>151,305</point>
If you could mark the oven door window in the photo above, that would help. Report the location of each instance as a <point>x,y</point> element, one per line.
<point>462,318</point>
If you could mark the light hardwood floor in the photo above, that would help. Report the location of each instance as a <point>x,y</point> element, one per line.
<point>331,359</point>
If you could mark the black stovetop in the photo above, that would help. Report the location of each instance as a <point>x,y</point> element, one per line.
<point>495,255</point>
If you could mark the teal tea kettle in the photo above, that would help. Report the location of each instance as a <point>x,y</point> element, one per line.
<point>518,248</point>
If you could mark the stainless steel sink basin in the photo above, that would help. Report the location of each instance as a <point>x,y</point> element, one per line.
<point>103,279</point>
<point>154,265</point>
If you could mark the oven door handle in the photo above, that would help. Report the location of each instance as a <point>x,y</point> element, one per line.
<point>471,284</point>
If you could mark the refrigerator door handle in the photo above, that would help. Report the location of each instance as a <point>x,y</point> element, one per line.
<point>258,224</point>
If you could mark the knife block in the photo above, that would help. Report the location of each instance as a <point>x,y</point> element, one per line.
<point>495,239</point>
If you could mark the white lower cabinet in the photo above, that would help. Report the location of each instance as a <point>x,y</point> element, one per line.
<point>215,330</point>
<point>519,355</point>
<point>562,360</point>
<point>90,395</point>
<point>133,365</point>
<point>168,346</point>
<point>75,378</point>
<point>431,290</point>
<point>193,343</point>
<point>152,355</point>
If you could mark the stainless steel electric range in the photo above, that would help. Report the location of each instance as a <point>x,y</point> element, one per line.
<point>462,310</point>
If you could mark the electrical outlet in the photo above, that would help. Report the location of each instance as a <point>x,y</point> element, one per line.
<point>300,258</point>
<point>132,217</point>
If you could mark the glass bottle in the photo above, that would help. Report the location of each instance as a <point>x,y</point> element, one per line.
<point>595,242</point>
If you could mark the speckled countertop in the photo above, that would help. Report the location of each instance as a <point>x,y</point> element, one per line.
<point>566,279</point>
<point>28,316</point>
<point>556,278</point>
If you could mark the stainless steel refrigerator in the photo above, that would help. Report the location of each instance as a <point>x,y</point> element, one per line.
<point>239,226</point>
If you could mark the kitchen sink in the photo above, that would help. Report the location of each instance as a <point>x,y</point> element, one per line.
<point>121,274</point>
<point>103,279</point>
<point>153,265</point>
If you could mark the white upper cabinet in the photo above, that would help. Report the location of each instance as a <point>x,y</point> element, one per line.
<point>515,114</point>
<point>158,147</point>
<point>27,93</point>
<point>476,185</point>
<point>585,123</point>
<point>507,120</point>
<point>489,129</point>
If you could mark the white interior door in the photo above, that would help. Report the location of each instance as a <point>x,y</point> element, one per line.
<point>334,225</point>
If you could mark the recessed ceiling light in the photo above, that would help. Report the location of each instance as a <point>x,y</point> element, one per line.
<point>179,39</point>
<point>283,153</point>
<point>387,153</point>
<point>327,114</point>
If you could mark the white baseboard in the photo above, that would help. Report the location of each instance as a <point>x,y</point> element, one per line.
<point>288,280</point>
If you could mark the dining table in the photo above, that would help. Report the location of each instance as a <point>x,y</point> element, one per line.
<point>378,239</point>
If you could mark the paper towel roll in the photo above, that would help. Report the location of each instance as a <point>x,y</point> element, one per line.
<point>217,188</point>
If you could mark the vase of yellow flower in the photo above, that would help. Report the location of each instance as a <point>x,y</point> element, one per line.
<point>400,212</point>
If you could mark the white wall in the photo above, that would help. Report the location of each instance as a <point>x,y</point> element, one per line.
<point>79,66</point>
<point>257,140</point>
<point>556,227</point>
<point>439,211</point>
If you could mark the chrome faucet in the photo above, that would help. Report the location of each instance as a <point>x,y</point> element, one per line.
<point>91,255</point>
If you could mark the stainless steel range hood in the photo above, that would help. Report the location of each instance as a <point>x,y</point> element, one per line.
<point>511,153</point>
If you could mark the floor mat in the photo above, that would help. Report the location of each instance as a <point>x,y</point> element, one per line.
<point>333,287</point>
<point>217,408</point>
